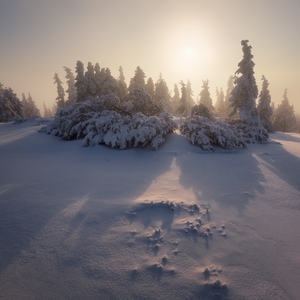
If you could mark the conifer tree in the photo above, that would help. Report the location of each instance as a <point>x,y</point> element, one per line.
<point>189,94</point>
<point>176,98</point>
<point>184,107</point>
<point>205,98</point>
<point>264,106</point>
<point>123,90</point>
<point>244,94</point>
<point>90,81</point>
<point>150,87</point>
<point>162,96</point>
<point>60,92</point>
<point>138,80</point>
<point>80,84</point>
<point>109,83</point>
<point>71,91</point>
<point>284,118</point>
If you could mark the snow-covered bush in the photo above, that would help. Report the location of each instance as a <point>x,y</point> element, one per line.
<point>71,122</point>
<point>102,121</point>
<point>121,132</point>
<point>208,133</point>
<point>251,132</point>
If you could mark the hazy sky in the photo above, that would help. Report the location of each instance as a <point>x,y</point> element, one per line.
<point>191,39</point>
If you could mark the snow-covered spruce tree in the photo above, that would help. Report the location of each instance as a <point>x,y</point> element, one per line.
<point>205,98</point>
<point>123,90</point>
<point>162,96</point>
<point>150,87</point>
<point>189,94</point>
<point>242,101</point>
<point>264,106</point>
<point>71,90</point>
<point>176,98</point>
<point>90,81</point>
<point>60,99</point>
<point>80,83</point>
<point>138,80</point>
<point>10,105</point>
<point>184,107</point>
<point>284,117</point>
<point>109,84</point>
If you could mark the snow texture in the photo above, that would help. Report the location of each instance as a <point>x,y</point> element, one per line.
<point>176,223</point>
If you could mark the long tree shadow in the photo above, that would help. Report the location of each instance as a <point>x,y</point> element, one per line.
<point>282,163</point>
<point>43,178</point>
<point>231,178</point>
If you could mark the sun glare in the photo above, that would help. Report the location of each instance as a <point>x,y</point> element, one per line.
<point>189,51</point>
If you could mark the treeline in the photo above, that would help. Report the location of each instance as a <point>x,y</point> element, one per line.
<point>93,82</point>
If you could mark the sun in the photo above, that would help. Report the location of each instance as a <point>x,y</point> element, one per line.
<point>189,52</point>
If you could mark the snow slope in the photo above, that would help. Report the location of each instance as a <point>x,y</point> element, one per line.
<point>176,223</point>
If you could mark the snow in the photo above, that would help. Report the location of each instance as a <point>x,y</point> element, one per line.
<point>177,223</point>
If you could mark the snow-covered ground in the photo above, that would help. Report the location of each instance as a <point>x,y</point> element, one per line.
<point>177,223</point>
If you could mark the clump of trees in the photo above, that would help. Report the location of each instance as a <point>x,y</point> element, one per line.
<point>234,121</point>
<point>10,105</point>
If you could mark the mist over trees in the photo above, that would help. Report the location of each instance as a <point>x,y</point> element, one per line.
<point>236,106</point>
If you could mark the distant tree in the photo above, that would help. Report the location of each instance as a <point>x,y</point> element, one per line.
<point>189,94</point>
<point>201,110</point>
<point>176,98</point>
<point>123,90</point>
<point>284,117</point>
<point>162,96</point>
<point>220,107</point>
<point>29,107</point>
<point>99,78</point>
<point>47,112</point>
<point>150,87</point>
<point>230,86</point>
<point>109,84</point>
<point>205,98</point>
<point>138,80</point>
<point>264,108</point>
<point>244,94</point>
<point>71,91</point>
<point>60,99</point>
<point>184,107</point>
<point>10,105</point>
<point>80,83</point>
<point>90,81</point>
